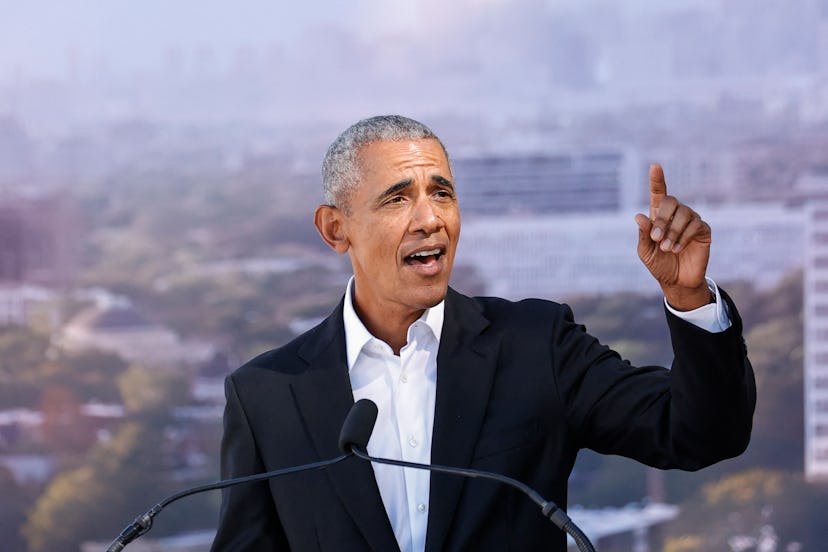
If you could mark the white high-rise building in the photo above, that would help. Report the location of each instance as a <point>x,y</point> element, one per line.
<point>598,180</point>
<point>556,256</point>
<point>816,342</point>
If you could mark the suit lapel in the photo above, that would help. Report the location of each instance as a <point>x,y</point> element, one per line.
<point>466,364</point>
<point>323,396</point>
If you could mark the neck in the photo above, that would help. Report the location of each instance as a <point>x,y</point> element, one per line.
<point>391,328</point>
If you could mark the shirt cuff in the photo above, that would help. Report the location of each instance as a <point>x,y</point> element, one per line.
<point>714,317</point>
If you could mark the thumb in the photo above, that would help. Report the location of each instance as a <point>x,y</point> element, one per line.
<point>645,243</point>
<point>644,226</point>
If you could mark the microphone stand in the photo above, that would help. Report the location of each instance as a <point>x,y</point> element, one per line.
<point>143,523</point>
<point>549,509</point>
<point>353,441</point>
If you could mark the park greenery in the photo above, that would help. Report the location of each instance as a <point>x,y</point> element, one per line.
<point>150,235</point>
<point>105,484</point>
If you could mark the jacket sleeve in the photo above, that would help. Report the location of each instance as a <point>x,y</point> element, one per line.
<point>693,415</point>
<point>248,518</point>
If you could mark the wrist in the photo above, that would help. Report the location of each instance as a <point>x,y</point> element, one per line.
<point>687,299</point>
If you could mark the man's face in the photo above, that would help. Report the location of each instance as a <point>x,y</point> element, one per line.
<point>402,226</point>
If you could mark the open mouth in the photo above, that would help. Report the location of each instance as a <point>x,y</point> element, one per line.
<point>424,257</point>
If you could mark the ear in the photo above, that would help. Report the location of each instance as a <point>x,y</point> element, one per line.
<point>329,223</point>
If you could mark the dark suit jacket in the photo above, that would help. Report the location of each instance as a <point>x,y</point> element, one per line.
<point>520,389</point>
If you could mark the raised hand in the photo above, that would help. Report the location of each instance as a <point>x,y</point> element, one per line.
<point>674,245</point>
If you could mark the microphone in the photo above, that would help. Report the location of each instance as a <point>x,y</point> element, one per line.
<point>362,417</point>
<point>358,426</point>
<point>356,431</point>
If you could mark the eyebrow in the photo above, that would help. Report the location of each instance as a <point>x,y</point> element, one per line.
<point>394,188</point>
<point>442,181</point>
<point>402,184</point>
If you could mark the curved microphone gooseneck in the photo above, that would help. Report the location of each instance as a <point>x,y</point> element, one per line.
<point>358,444</point>
<point>143,523</point>
<point>353,440</point>
<point>356,429</point>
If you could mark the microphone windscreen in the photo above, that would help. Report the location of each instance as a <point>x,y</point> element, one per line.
<point>358,425</point>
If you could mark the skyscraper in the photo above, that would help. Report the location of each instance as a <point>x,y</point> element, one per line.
<point>560,182</point>
<point>816,342</point>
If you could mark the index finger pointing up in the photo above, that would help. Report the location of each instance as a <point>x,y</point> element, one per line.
<point>658,188</point>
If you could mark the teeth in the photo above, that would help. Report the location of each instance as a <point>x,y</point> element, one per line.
<point>425,253</point>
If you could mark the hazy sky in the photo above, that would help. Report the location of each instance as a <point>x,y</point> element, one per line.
<point>42,37</point>
<point>39,37</point>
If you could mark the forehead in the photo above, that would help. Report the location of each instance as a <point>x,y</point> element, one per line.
<point>385,156</point>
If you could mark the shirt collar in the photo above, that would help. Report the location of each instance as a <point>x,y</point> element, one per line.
<point>357,335</point>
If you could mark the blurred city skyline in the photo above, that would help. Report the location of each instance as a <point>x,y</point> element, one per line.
<point>159,164</point>
<point>47,40</point>
<point>77,64</point>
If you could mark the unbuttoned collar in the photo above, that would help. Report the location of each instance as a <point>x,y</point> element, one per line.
<point>357,335</point>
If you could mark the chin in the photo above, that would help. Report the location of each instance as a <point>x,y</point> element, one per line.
<point>430,297</point>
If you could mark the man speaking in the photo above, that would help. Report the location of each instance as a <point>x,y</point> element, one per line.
<point>516,388</point>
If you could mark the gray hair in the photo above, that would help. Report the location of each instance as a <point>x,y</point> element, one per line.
<point>340,168</point>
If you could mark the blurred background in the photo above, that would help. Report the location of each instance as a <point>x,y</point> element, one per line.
<point>159,164</point>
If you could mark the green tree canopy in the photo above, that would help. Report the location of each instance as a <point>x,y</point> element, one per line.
<point>751,504</point>
<point>96,500</point>
<point>153,391</point>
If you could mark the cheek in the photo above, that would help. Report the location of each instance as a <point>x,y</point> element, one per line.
<point>454,230</point>
<point>380,252</point>
<point>376,243</point>
<point>455,225</point>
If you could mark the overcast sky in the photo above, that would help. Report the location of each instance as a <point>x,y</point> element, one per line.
<point>38,38</point>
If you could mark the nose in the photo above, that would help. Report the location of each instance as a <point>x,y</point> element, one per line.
<point>425,218</point>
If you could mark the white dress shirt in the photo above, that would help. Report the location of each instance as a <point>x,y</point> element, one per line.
<point>713,317</point>
<point>404,389</point>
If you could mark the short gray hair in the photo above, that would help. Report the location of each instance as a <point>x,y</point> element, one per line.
<point>340,168</point>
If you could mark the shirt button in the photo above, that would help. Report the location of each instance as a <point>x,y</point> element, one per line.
<point>421,507</point>
<point>412,441</point>
<point>404,378</point>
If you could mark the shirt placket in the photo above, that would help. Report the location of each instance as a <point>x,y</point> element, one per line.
<point>411,397</point>
<point>386,438</point>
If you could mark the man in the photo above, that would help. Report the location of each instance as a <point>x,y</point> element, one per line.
<point>514,388</point>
